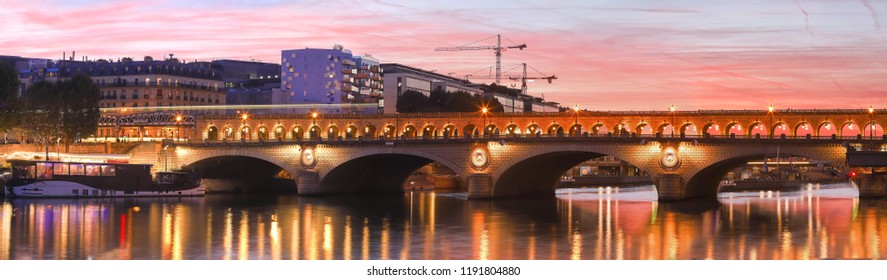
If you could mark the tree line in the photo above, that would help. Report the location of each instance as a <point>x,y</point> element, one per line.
<point>412,101</point>
<point>62,111</point>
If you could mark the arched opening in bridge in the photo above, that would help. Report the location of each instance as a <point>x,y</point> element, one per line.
<point>229,133</point>
<point>262,133</point>
<point>621,129</point>
<point>298,133</point>
<point>332,132</point>
<point>390,131</point>
<point>534,129</point>
<point>388,173</point>
<point>781,129</point>
<point>761,173</point>
<point>540,175</point>
<point>711,129</point>
<point>804,129</point>
<point>410,132</point>
<point>827,129</point>
<point>279,132</point>
<point>245,133</point>
<point>873,130</point>
<point>850,129</point>
<point>644,129</point>
<point>555,129</point>
<point>491,130</point>
<point>758,129</point>
<point>369,131</point>
<point>241,174</point>
<point>449,131</point>
<point>599,129</point>
<point>429,132</point>
<point>470,130</point>
<point>735,128</point>
<point>512,130</point>
<point>576,129</point>
<point>351,132</point>
<point>212,134</point>
<point>314,132</point>
<point>688,129</point>
<point>666,130</point>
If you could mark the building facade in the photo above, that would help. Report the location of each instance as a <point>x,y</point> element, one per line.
<point>332,79</point>
<point>400,78</point>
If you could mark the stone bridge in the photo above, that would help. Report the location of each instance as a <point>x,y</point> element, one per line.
<point>502,155</point>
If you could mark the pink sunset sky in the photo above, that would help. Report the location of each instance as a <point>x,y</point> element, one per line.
<point>608,55</point>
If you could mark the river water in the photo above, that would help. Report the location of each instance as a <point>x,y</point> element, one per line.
<point>587,223</point>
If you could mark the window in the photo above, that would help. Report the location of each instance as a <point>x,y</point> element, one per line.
<point>109,170</point>
<point>60,169</point>
<point>74,192</point>
<point>92,170</point>
<point>84,192</point>
<point>44,170</point>
<point>76,169</point>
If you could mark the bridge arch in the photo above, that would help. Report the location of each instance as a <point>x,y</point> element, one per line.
<point>332,132</point>
<point>351,132</point>
<point>390,131</point>
<point>470,130</point>
<point>849,129</point>
<point>314,132</point>
<point>212,133</point>
<point>279,132</point>
<point>512,129</point>
<point>429,132</point>
<point>262,132</point>
<point>620,129</point>
<point>735,128</point>
<point>245,132</point>
<point>689,129</point>
<point>826,129</point>
<point>297,132</point>
<point>599,129</point>
<point>576,129</point>
<point>449,131</point>
<point>758,128</point>
<point>410,132</point>
<point>703,179</point>
<point>537,171</point>
<point>643,128</point>
<point>229,133</point>
<point>712,128</point>
<point>555,129</point>
<point>665,129</point>
<point>378,170</point>
<point>803,129</point>
<point>533,129</point>
<point>369,131</point>
<point>491,129</point>
<point>873,129</point>
<point>780,128</point>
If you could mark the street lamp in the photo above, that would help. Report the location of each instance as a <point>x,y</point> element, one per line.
<point>871,122</point>
<point>484,113</point>
<point>770,126</point>
<point>243,130</point>
<point>673,111</point>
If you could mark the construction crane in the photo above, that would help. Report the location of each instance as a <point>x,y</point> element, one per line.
<point>498,49</point>
<point>523,78</point>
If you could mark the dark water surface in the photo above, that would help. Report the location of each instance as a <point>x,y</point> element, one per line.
<point>590,223</point>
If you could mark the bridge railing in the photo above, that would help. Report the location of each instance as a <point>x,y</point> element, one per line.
<point>535,137</point>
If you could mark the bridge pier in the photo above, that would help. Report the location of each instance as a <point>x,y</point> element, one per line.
<point>670,187</point>
<point>308,183</point>
<point>870,182</point>
<point>480,186</point>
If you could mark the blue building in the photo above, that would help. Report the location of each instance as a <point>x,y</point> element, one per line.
<point>333,79</point>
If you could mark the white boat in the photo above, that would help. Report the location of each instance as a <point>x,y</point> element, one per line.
<point>90,179</point>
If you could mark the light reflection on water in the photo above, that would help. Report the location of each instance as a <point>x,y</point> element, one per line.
<point>588,223</point>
